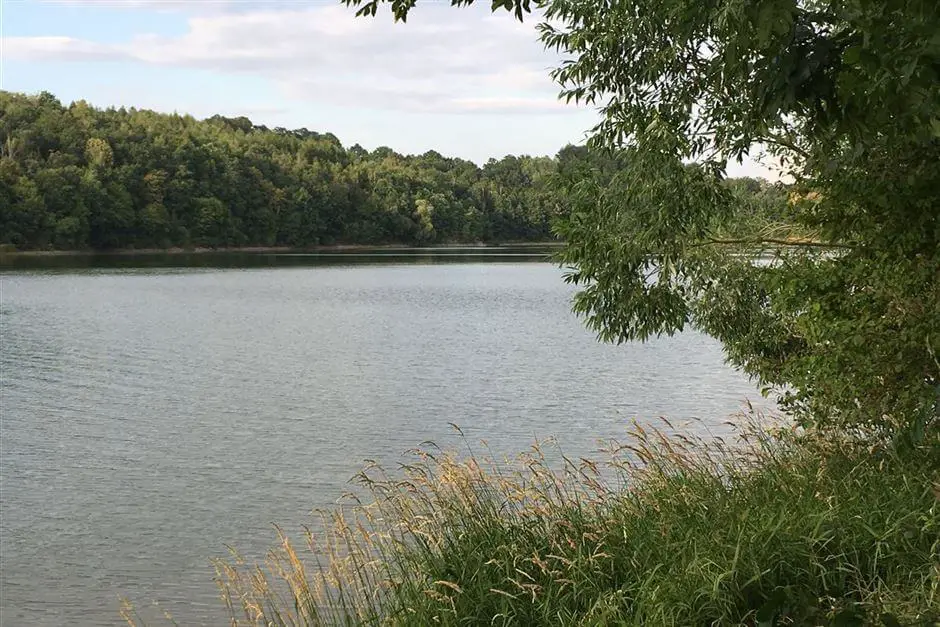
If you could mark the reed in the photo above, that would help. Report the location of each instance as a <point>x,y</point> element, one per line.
<point>770,527</point>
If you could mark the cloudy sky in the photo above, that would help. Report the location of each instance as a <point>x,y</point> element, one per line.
<point>464,82</point>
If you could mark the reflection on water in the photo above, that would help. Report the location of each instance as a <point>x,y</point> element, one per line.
<point>152,416</point>
<point>280,259</point>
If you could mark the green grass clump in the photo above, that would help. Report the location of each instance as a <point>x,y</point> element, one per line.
<point>772,529</point>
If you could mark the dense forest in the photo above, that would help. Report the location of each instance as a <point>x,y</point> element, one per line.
<point>77,177</point>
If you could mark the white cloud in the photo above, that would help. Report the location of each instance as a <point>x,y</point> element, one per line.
<point>59,48</point>
<point>190,6</point>
<point>441,61</point>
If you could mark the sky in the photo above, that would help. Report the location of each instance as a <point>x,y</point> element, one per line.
<point>464,82</point>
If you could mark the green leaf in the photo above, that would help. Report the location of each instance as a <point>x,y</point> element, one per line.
<point>852,55</point>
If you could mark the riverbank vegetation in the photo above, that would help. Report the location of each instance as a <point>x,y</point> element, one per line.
<point>771,529</point>
<point>79,178</point>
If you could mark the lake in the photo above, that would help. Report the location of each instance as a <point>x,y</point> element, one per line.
<point>156,409</point>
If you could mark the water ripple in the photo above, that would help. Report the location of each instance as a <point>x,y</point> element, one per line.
<point>151,417</point>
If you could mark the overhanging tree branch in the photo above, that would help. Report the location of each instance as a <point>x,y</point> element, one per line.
<point>770,240</point>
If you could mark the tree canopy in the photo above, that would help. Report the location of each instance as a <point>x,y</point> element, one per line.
<point>77,177</point>
<point>836,302</point>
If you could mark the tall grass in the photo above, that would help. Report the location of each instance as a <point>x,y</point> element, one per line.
<point>773,528</point>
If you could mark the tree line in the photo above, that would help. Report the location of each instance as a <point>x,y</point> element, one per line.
<point>77,177</point>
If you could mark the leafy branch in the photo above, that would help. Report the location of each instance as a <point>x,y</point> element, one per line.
<point>771,240</point>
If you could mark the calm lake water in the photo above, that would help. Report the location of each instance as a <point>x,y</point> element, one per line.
<point>150,416</point>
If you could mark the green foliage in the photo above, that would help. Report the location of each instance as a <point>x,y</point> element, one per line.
<point>846,96</point>
<point>77,177</point>
<point>769,531</point>
<point>98,153</point>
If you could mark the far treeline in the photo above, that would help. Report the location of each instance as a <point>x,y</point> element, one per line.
<point>80,178</point>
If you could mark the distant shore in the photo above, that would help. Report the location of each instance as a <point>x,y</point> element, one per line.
<point>332,248</point>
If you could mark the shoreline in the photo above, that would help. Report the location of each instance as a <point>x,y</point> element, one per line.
<point>332,248</point>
